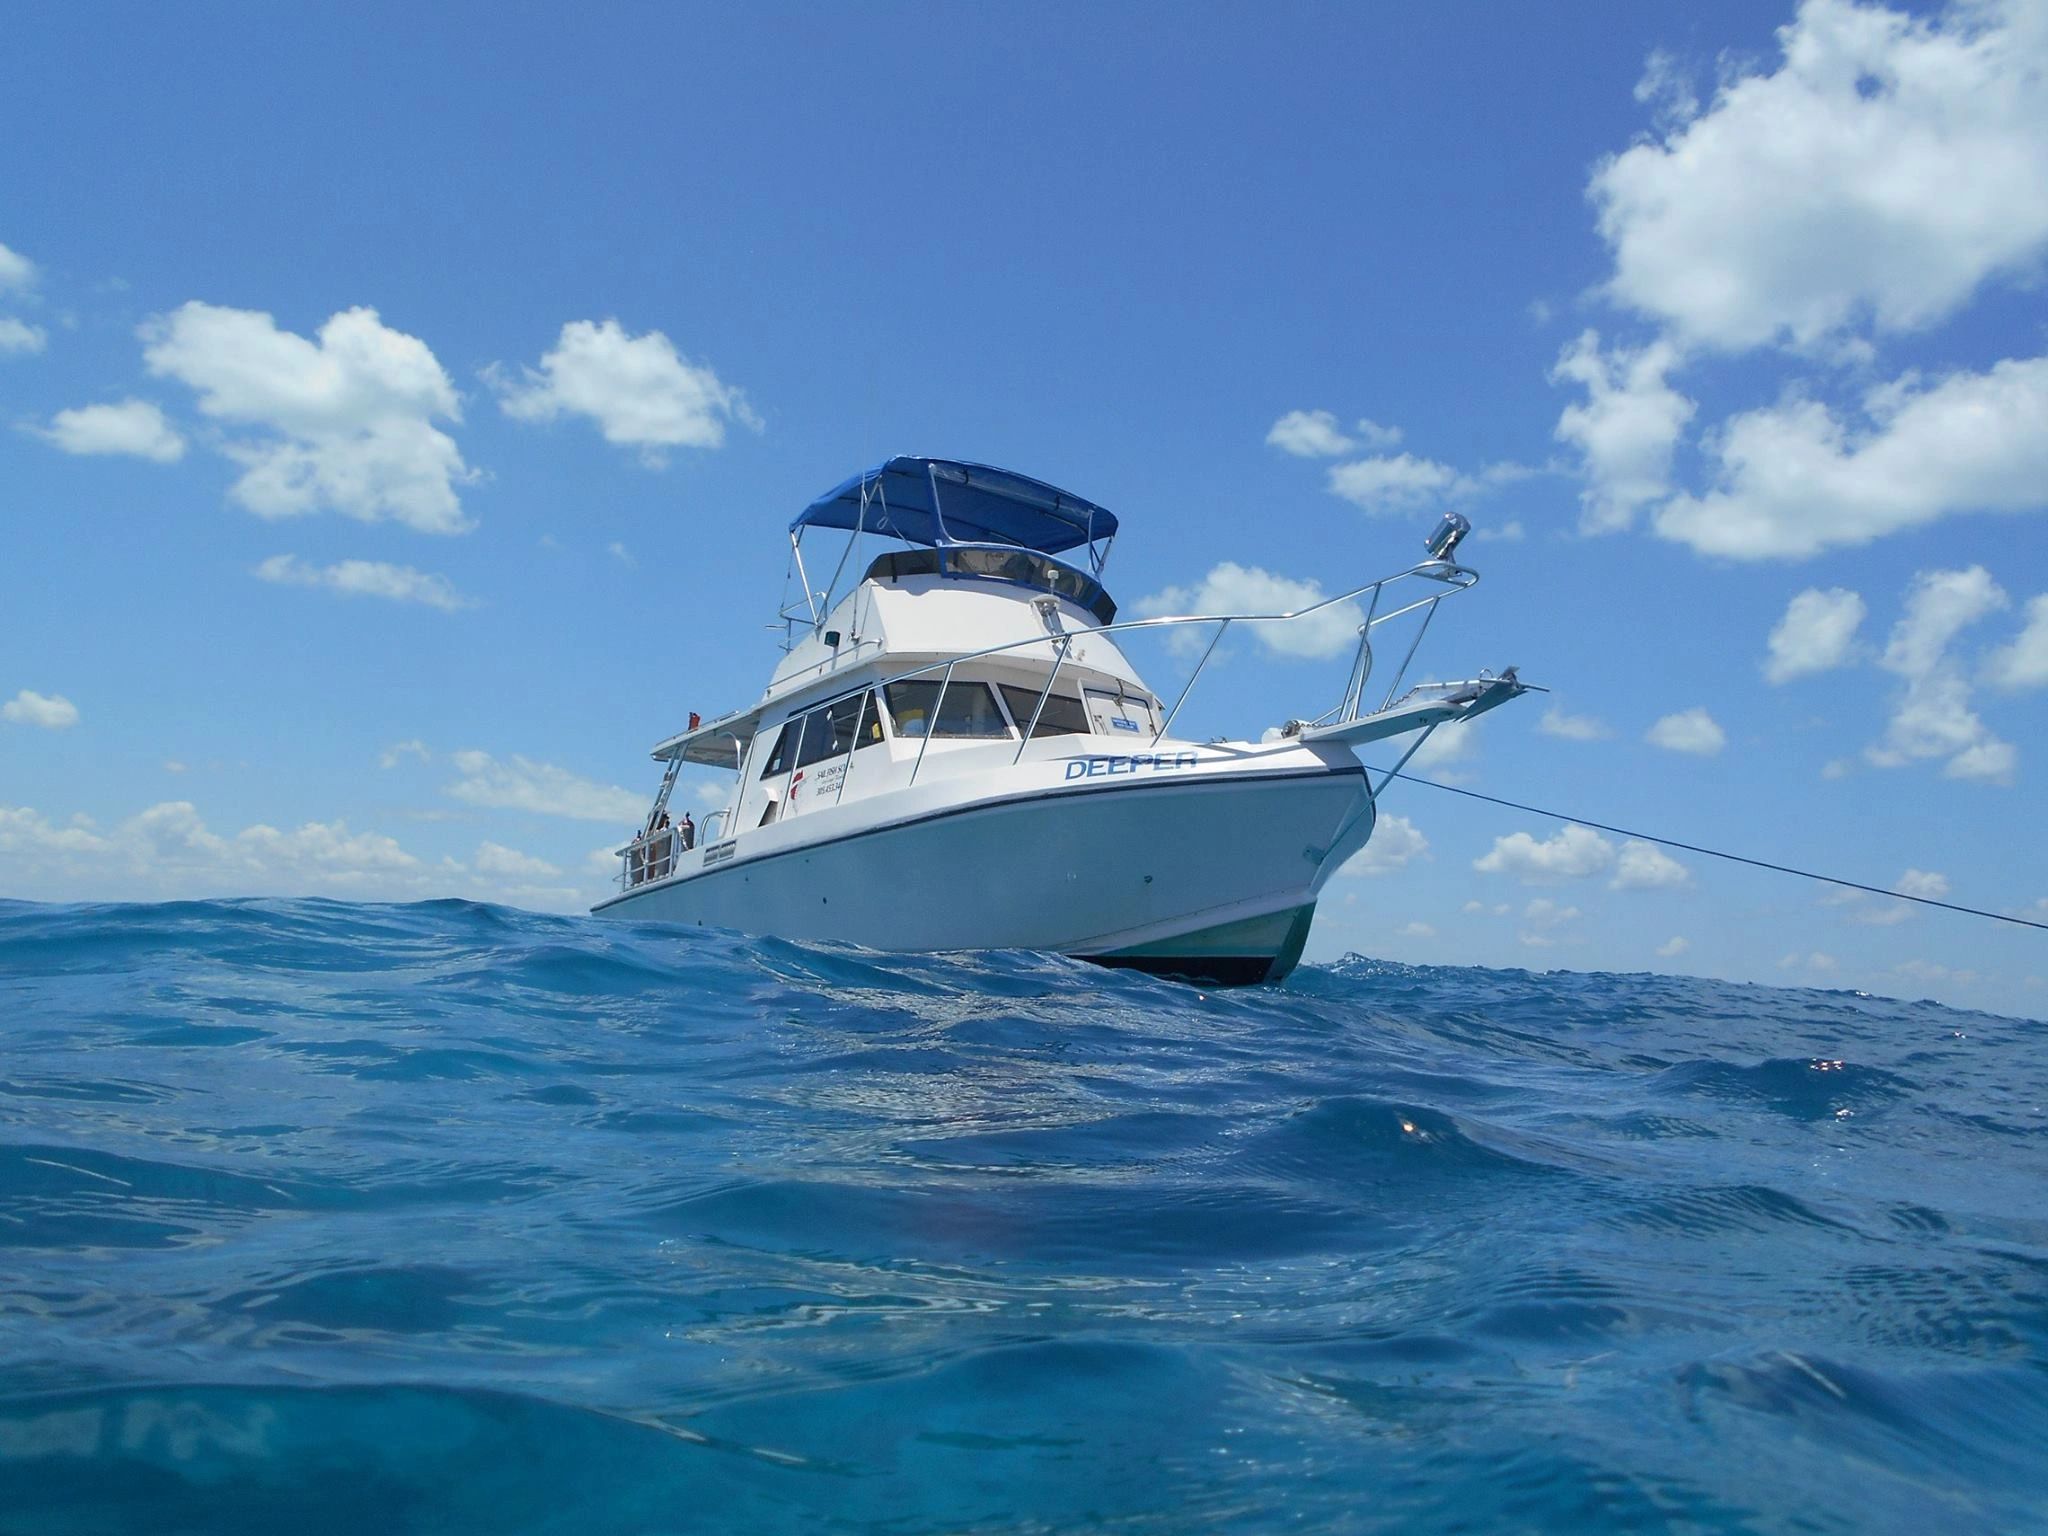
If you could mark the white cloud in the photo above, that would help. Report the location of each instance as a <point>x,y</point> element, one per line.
<point>1690,730</point>
<point>1543,913</point>
<point>20,336</point>
<point>2024,663</point>
<point>349,416</point>
<point>1814,961</point>
<point>365,578</point>
<point>17,272</point>
<point>1395,843</point>
<point>26,834</point>
<point>1666,88</point>
<point>1625,431</point>
<point>398,751</point>
<point>1556,722</point>
<point>1399,483</point>
<point>1883,171</point>
<point>1642,866</point>
<point>520,784</point>
<point>1922,882</point>
<point>1815,635</point>
<point>1933,717</point>
<point>1309,435</point>
<point>1417,931</point>
<point>638,390</point>
<point>1925,970</point>
<point>133,427</point>
<point>1233,588</point>
<point>52,713</point>
<point>496,859</point>
<point>1450,753</point>
<point>1544,918</point>
<point>1575,853</point>
<point>1673,947</point>
<point>168,850</point>
<point>620,553</point>
<point>1371,434</point>
<point>1793,479</point>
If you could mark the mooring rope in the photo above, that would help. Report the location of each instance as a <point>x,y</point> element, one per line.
<point>1716,853</point>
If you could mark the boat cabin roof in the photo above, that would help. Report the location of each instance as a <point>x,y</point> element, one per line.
<point>1020,567</point>
<point>945,501</point>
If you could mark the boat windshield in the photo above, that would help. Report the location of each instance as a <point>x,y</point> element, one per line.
<point>968,709</point>
<point>1022,567</point>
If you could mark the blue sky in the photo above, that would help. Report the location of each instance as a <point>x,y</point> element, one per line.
<point>400,412</point>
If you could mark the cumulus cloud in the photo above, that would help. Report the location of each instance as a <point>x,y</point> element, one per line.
<point>1816,634</point>
<point>19,336</point>
<point>496,859</point>
<point>1690,730</point>
<point>1625,430</point>
<point>1794,479</point>
<point>520,784</point>
<point>169,845</point>
<point>1813,961</point>
<point>1867,183</point>
<point>365,578</point>
<point>1933,716</point>
<point>343,421</point>
<point>1449,754</point>
<point>1396,842</point>
<point>1883,171</point>
<point>53,712</point>
<point>1396,483</point>
<point>1673,947</point>
<point>1642,866</point>
<point>2024,662</point>
<point>1929,883</point>
<point>1543,918</point>
<point>17,272</point>
<point>638,389</point>
<point>1556,722</point>
<point>1575,853</point>
<point>1233,588</point>
<point>168,850</point>
<point>132,427</point>
<point>1309,435</point>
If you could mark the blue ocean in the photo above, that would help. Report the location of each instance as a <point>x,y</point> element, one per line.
<point>435,1218</point>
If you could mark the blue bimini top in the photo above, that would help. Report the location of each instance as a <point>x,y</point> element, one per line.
<point>942,501</point>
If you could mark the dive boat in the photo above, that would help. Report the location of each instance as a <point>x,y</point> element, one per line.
<point>956,753</point>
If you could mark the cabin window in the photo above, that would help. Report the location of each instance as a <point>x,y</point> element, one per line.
<point>784,749</point>
<point>829,732</point>
<point>969,710</point>
<point>1062,715</point>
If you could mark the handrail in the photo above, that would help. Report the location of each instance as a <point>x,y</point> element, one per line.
<point>1459,578</point>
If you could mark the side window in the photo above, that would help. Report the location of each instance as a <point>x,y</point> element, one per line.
<point>829,732</point>
<point>870,722</point>
<point>1061,716</point>
<point>784,750</point>
<point>969,710</point>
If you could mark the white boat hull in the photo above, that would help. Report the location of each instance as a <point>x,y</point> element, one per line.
<point>1205,865</point>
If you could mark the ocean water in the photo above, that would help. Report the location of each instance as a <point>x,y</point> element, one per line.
<point>324,1217</point>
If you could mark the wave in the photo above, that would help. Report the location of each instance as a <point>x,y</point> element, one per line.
<point>447,1215</point>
